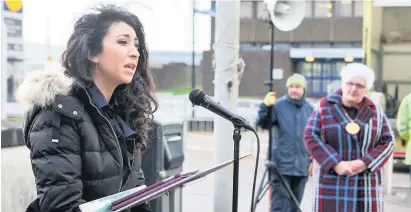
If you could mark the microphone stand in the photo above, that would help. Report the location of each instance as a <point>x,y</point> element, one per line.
<point>238,123</point>
<point>237,139</point>
<point>270,84</point>
<point>271,167</point>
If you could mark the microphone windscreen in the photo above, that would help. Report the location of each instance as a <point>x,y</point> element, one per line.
<point>196,95</point>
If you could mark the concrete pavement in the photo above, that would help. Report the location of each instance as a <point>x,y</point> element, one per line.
<point>200,150</point>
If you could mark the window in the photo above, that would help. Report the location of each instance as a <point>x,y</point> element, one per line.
<point>319,75</point>
<point>316,69</point>
<point>321,45</point>
<point>340,65</point>
<point>358,8</point>
<point>305,69</point>
<point>305,45</point>
<point>357,44</point>
<point>316,88</point>
<point>323,9</point>
<point>248,47</point>
<point>15,76</point>
<point>344,8</point>
<point>326,70</point>
<point>246,9</point>
<point>282,46</point>
<point>342,45</point>
<point>261,10</point>
<point>15,47</point>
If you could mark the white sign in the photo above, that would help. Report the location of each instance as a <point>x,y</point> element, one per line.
<point>326,52</point>
<point>277,73</point>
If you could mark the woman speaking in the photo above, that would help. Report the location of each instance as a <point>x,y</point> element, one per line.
<point>86,127</point>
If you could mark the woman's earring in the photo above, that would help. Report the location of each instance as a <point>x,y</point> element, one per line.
<point>96,67</point>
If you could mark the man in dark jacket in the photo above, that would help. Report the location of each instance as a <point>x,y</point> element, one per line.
<point>289,117</point>
<point>79,151</point>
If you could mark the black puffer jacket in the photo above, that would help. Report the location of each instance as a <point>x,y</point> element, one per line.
<point>75,153</point>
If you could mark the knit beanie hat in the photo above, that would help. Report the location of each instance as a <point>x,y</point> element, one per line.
<point>297,79</point>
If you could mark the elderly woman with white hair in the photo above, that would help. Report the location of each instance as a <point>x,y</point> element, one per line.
<point>350,140</point>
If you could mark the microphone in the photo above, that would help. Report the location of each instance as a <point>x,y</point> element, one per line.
<point>200,98</point>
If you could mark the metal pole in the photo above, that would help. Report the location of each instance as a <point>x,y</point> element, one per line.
<point>236,169</point>
<point>193,67</point>
<point>226,54</point>
<point>270,88</point>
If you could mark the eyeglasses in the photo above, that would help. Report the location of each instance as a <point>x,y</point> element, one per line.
<point>359,86</point>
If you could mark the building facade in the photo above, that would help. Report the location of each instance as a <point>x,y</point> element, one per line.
<point>12,46</point>
<point>329,37</point>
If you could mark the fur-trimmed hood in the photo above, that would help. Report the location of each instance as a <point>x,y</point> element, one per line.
<point>40,88</point>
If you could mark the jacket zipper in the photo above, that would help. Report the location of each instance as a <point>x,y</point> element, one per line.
<point>131,169</point>
<point>114,133</point>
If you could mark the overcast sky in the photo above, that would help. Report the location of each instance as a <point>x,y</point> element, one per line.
<point>167,22</point>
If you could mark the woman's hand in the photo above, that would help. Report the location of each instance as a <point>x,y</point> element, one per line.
<point>344,168</point>
<point>357,166</point>
<point>350,168</point>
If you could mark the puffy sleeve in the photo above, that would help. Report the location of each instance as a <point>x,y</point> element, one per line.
<point>322,152</point>
<point>378,155</point>
<point>56,164</point>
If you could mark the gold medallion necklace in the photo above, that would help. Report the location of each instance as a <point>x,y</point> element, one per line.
<point>351,127</point>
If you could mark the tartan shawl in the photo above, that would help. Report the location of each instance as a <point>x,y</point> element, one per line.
<point>329,143</point>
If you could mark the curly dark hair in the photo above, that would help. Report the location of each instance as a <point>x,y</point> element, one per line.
<point>136,99</point>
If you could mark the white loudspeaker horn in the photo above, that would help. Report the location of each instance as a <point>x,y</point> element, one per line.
<point>286,15</point>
